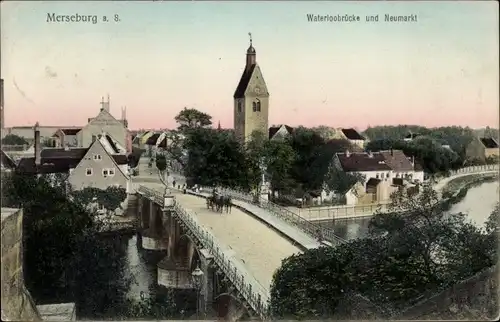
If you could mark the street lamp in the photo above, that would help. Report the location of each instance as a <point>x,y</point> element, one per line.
<point>197,276</point>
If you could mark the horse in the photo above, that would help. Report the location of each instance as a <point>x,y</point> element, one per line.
<point>228,204</point>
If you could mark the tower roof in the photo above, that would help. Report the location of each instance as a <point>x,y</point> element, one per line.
<point>243,84</point>
<point>251,50</point>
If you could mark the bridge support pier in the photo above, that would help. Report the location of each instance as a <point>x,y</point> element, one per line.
<point>152,236</point>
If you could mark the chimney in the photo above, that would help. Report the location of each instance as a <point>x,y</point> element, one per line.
<point>38,157</point>
<point>347,153</point>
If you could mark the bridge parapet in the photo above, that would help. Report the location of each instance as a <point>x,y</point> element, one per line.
<point>475,169</point>
<point>254,294</point>
<point>310,228</point>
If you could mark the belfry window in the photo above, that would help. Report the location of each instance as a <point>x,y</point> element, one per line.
<point>256,106</point>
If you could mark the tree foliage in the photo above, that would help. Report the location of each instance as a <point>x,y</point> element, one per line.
<point>65,259</point>
<point>190,118</point>
<point>417,248</point>
<point>161,162</point>
<point>215,158</point>
<point>12,139</point>
<point>426,151</point>
<point>109,199</point>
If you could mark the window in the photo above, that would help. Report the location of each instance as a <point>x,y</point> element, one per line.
<point>111,172</point>
<point>382,175</point>
<point>378,176</point>
<point>94,138</point>
<point>258,106</point>
<point>105,172</point>
<point>88,171</point>
<point>239,106</point>
<point>97,157</point>
<point>254,105</point>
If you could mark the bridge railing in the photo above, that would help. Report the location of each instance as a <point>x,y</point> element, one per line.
<point>284,214</point>
<point>253,293</point>
<point>475,169</point>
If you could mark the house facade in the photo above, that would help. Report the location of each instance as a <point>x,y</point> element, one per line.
<point>98,169</point>
<point>280,132</point>
<point>482,148</point>
<point>66,137</point>
<point>104,122</point>
<point>384,172</point>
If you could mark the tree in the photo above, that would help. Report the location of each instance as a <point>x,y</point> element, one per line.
<point>254,155</point>
<point>215,158</point>
<point>65,259</point>
<point>190,118</point>
<point>339,181</point>
<point>12,139</point>
<point>416,248</point>
<point>308,285</point>
<point>279,159</point>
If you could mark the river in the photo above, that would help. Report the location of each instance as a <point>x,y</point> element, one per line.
<point>478,204</point>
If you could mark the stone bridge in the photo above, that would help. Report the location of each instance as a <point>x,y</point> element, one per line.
<point>237,252</point>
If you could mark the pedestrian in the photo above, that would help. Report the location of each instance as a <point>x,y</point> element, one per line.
<point>174,183</point>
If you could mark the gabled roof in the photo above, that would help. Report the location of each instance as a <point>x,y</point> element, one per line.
<point>244,80</point>
<point>60,160</point>
<point>489,143</point>
<point>352,134</point>
<point>71,131</point>
<point>153,139</point>
<point>355,162</point>
<point>110,144</point>
<point>7,162</point>
<point>397,160</point>
<point>274,129</point>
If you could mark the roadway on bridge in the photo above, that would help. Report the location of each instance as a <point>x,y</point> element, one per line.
<point>259,247</point>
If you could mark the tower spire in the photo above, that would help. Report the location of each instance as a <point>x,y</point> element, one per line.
<point>218,127</point>
<point>250,35</point>
<point>251,54</point>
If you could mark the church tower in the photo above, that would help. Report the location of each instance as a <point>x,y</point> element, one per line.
<point>251,100</point>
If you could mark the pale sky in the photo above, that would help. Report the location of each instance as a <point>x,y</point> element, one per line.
<point>162,56</point>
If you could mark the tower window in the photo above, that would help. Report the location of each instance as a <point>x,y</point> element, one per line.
<point>256,106</point>
<point>239,106</point>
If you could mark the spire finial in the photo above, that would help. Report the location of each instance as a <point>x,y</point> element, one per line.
<point>250,35</point>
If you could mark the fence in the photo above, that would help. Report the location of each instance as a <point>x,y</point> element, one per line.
<point>255,295</point>
<point>284,214</point>
<point>475,169</point>
<point>340,212</point>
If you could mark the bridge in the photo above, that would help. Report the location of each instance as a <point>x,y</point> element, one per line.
<point>237,251</point>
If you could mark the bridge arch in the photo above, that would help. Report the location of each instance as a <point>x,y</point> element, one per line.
<point>228,305</point>
<point>187,244</point>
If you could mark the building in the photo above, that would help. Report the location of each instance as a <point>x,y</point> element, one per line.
<point>105,122</point>
<point>251,99</point>
<point>280,132</point>
<point>384,171</point>
<point>101,165</point>
<point>8,164</point>
<point>66,137</point>
<point>482,147</point>
<point>353,137</point>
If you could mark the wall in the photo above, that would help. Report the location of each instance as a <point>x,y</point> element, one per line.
<point>80,180</point>
<point>475,298</point>
<point>256,120</point>
<point>17,304</point>
<point>103,122</point>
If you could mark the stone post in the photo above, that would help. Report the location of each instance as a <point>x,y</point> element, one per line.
<point>207,288</point>
<point>140,210</point>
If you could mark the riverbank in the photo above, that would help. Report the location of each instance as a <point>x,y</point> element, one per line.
<point>456,190</point>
